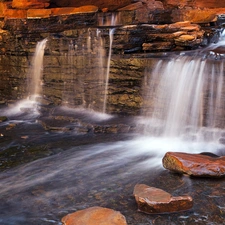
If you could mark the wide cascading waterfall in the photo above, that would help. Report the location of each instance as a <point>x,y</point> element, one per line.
<point>186,94</point>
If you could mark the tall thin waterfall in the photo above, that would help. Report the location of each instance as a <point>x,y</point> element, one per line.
<point>37,69</point>
<point>187,96</point>
<point>108,69</point>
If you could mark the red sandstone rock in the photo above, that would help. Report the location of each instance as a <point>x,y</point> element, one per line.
<point>30,4</point>
<point>195,3</point>
<point>95,216</point>
<point>15,13</point>
<point>179,25</point>
<point>38,13</point>
<point>131,7</point>
<point>143,13</point>
<point>3,7</point>
<point>185,38</point>
<point>154,200</point>
<point>105,10</point>
<point>157,46</point>
<point>195,164</point>
<point>197,15</point>
<point>73,10</point>
<point>110,4</point>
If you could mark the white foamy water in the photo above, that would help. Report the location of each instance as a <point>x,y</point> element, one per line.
<point>28,106</point>
<point>88,113</point>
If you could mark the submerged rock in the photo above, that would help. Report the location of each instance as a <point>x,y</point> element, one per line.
<point>200,165</point>
<point>95,216</point>
<point>3,118</point>
<point>154,200</point>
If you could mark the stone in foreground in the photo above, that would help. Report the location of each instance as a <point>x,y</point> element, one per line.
<point>199,165</point>
<point>154,200</point>
<point>95,216</point>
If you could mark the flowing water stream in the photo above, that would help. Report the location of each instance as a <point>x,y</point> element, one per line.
<point>103,170</point>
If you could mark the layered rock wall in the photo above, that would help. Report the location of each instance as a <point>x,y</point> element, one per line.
<point>76,57</point>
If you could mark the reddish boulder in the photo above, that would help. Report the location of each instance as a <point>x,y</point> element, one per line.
<point>200,165</point>
<point>154,200</point>
<point>95,216</point>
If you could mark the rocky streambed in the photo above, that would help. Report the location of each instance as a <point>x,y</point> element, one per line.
<point>62,161</point>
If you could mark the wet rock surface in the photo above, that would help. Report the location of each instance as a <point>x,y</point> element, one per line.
<point>155,200</point>
<point>199,165</point>
<point>95,216</point>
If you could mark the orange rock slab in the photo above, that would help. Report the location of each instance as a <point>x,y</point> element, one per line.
<point>95,216</point>
<point>15,13</point>
<point>38,13</point>
<point>74,10</point>
<point>154,200</point>
<point>199,165</point>
<point>30,4</point>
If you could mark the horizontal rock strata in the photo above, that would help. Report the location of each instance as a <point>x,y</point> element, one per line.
<point>199,165</point>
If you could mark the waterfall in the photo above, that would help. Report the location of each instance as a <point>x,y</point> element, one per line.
<point>83,70</point>
<point>37,69</point>
<point>186,94</point>
<point>34,78</point>
<point>109,19</point>
<point>108,69</point>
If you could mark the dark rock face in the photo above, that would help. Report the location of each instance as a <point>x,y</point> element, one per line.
<point>154,200</point>
<point>74,71</point>
<point>199,165</point>
<point>72,66</point>
<point>95,216</point>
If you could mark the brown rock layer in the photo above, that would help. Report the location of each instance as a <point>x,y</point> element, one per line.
<point>195,164</point>
<point>154,200</point>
